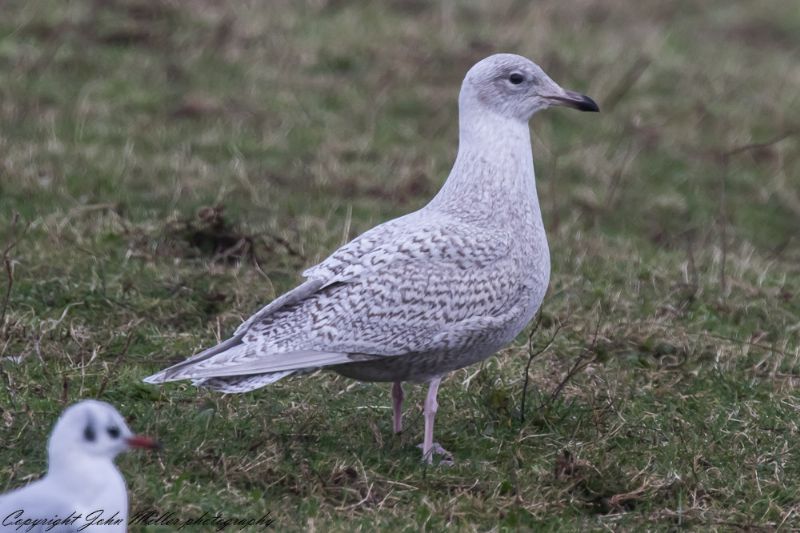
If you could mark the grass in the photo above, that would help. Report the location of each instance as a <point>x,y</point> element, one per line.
<point>141,139</point>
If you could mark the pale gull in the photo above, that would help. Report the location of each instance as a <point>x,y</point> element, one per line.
<point>82,490</point>
<point>427,293</point>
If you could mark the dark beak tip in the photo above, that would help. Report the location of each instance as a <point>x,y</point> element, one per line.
<point>578,101</point>
<point>587,104</point>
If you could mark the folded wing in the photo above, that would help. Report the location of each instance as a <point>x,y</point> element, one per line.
<point>397,289</point>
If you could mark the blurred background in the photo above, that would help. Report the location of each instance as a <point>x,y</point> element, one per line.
<point>167,167</point>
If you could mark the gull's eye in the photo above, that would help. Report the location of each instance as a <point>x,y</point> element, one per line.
<point>89,433</point>
<point>113,432</point>
<point>516,78</point>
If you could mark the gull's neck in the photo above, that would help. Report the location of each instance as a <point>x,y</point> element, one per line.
<point>492,179</point>
<point>82,473</point>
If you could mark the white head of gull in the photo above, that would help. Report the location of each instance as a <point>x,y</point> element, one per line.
<point>82,488</point>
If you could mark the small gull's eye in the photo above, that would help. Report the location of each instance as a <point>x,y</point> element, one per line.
<point>89,434</point>
<point>113,431</point>
<point>516,78</point>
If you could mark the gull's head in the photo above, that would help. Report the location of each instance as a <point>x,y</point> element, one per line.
<point>93,429</point>
<point>515,87</point>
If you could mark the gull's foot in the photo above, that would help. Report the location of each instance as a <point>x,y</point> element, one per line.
<point>446,457</point>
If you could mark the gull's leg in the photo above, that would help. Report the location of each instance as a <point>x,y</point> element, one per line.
<point>431,405</point>
<point>397,404</point>
<point>429,448</point>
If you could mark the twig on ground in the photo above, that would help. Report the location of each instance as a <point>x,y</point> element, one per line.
<point>740,342</point>
<point>723,221</point>
<point>583,360</point>
<point>290,249</point>
<point>694,278</point>
<point>9,388</point>
<point>81,210</point>
<point>757,146</point>
<point>533,354</point>
<point>117,362</point>
<point>16,237</point>
<point>64,390</point>
<point>618,177</point>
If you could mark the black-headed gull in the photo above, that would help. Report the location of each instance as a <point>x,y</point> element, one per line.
<point>82,488</point>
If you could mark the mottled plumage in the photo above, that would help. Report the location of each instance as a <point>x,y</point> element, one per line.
<point>427,293</point>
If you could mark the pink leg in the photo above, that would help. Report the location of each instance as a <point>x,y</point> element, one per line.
<point>431,405</point>
<point>397,404</point>
<point>429,448</point>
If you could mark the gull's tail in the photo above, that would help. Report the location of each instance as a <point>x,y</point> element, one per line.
<point>166,375</point>
<point>233,366</point>
<point>229,384</point>
<point>239,384</point>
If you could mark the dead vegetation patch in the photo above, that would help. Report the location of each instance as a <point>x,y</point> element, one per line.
<point>212,236</point>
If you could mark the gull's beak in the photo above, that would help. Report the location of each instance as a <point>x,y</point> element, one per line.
<point>579,101</point>
<point>140,441</point>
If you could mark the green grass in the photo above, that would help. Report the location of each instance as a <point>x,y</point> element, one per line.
<point>673,222</point>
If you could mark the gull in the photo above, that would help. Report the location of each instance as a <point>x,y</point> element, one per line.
<point>430,292</point>
<point>82,490</point>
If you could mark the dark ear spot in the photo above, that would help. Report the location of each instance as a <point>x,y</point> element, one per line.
<point>89,433</point>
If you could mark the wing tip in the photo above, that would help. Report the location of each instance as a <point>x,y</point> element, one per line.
<point>166,375</point>
<point>155,379</point>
